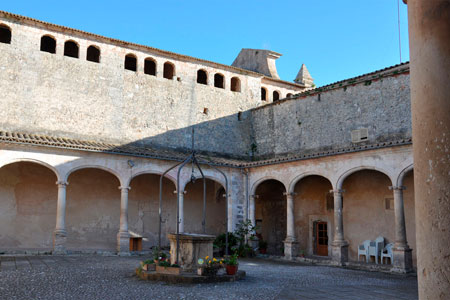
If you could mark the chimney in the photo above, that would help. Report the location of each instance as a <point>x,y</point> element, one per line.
<point>257,60</point>
<point>304,78</point>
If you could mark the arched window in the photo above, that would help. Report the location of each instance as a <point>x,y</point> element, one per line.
<point>5,34</point>
<point>289,95</point>
<point>48,44</point>
<point>202,77</point>
<point>150,66</point>
<point>93,54</point>
<point>263,94</point>
<point>276,96</point>
<point>169,70</point>
<point>71,49</point>
<point>131,62</point>
<point>235,84</point>
<point>218,81</point>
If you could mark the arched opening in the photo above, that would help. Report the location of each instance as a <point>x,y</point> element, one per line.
<point>263,94</point>
<point>235,84</point>
<point>219,81</point>
<point>150,66</point>
<point>270,215</point>
<point>276,96</point>
<point>131,62</point>
<point>202,77</point>
<point>169,70</point>
<point>93,54</point>
<point>92,210</point>
<point>289,95</point>
<point>368,209</point>
<point>71,49</point>
<point>5,34</point>
<point>28,200</point>
<point>143,209</point>
<point>314,215</point>
<point>215,207</point>
<point>48,44</point>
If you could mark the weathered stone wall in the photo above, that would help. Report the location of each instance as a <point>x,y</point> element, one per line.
<point>325,120</point>
<point>68,97</point>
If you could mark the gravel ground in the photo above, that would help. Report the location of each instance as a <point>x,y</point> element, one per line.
<point>98,277</point>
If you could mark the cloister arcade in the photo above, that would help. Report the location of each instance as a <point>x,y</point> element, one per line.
<point>99,201</point>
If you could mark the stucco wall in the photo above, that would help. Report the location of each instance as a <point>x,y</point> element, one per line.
<point>28,196</point>
<point>310,123</point>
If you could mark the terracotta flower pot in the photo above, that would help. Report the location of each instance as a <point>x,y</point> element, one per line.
<point>232,270</point>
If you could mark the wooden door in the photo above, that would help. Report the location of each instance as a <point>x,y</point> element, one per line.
<point>321,239</point>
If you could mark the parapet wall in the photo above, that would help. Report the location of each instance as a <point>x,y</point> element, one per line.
<point>324,120</point>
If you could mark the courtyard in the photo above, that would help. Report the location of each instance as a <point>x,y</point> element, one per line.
<point>112,277</point>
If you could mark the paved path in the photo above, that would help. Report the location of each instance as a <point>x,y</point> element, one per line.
<point>99,277</point>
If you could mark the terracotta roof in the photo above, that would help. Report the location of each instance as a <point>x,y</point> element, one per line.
<point>364,78</point>
<point>165,154</point>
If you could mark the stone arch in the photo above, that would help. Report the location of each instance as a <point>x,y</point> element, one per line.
<point>36,161</point>
<point>150,66</point>
<point>202,76</point>
<point>261,180</point>
<point>5,34</point>
<point>263,94</point>
<point>401,175</point>
<point>151,172</point>
<point>71,49</point>
<point>347,173</point>
<point>235,84</point>
<point>276,95</point>
<point>219,81</point>
<point>93,166</point>
<point>93,54</point>
<point>48,44</point>
<point>301,176</point>
<point>130,62</point>
<point>169,70</point>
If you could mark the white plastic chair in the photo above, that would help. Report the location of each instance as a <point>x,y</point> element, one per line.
<point>387,252</point>
<point>376,247</point>
<point>364,250</point>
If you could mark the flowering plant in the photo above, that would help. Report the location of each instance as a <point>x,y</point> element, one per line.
<point>211,262</point>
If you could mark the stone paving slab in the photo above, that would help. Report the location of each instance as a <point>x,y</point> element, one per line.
<point>99,277</point>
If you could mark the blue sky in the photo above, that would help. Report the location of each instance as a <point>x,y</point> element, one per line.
<point>335,39</point>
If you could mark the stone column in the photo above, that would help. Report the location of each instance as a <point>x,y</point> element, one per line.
<point>290,244</point>
<point>339,246</point>
<point>181,213</point>
<point>429,38</point>
<point>60,234</point>
<point>402,261</point>
<point>123,237</point>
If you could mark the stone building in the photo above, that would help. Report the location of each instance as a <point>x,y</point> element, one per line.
<point>89,124</point>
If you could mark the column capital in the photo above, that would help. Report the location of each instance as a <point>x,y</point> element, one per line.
<point>340,191</point>
<point>126,188</point>
<point>289,194</point>
<point>397,188</point>
<point>254,196</point>
<point>62,183</point>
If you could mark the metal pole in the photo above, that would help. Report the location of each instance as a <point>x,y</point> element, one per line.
<point>160,203</point>
<point>204,194</point>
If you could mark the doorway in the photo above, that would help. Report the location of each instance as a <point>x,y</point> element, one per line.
<point>321,230</point>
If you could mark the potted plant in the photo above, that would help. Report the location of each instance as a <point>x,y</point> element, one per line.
<point>232,264</point>
<point>164,267</point>
<point>262,244</point>
<point>209,266</point>
<point>301,253</point>
<point>148,265</point>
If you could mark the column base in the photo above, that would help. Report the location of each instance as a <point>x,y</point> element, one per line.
<point>290,249</point>
<point>402,261</point>
<point>339,253</point>
<point>123,243</point>
<point>59,242</point>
